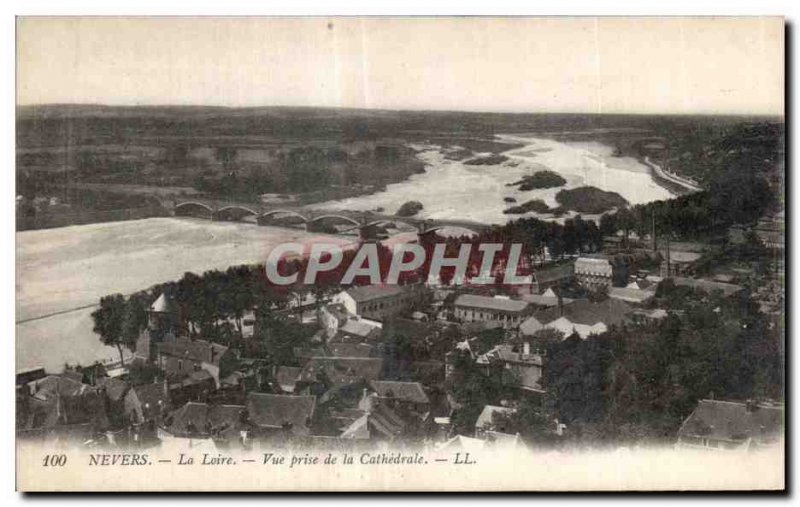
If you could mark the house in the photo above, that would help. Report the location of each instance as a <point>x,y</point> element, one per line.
<point>410,395</point>
<point>162,326</point>
<point>631,295</point>
<point>708,286</point>
<point>771,230</point>
<point>185,356</point>
<point>331,316</point>
<point>147,402</point>
<point>652,315</point>
<point>461,443</point>
<point>488,422</point>
<point>548,299</point>
<point>275,413</point>
<point>553,276</point>
<point>530,326</point>
<point>49,387</point>
<point>248,375</point>
<point>343,349</point>
<point>379,421</point>
<point>594,273</point>
<point>116,390</point>
<point>340,370</point>
<point>505,312</point>
<point>678,262</point>
<point>57,408</point>
<point>202,420</point>
<point>31,375</point>
<point>358,330</point>
<point>584,317</point>
<point>378,302</point>
<point>196,387</point>
<point>521,368</point>
<point>305,354</point>
<point>728,425</point>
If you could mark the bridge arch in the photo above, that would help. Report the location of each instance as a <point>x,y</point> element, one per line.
<point>452,230</point>
<point>340,217</point>
<point>272,213</point>
<point>243,208</point>
<point>235,213</point>
<point>394,224</point>
<point>187,208</point>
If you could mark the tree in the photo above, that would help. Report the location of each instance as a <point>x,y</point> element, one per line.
<point>110,323</point>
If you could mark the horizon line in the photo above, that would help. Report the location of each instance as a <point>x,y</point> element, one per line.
<point>780,116</point>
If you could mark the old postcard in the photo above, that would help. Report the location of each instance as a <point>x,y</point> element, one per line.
<point>400,254</point>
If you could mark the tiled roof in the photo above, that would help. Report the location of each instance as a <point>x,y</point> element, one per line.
<point>196,377</point>
<point>364,293</point>
<point>151,394</point>
<point>683,257</point>
<point>460,442</point>
<point>358,429</point>
<point>530,326</point>
<point>203,419</point>
<point>544,300</point>
<point>163,304</point>
<point>732,421</point>
<point>609,311</point>
<point>343,370</point>
<point>630,295</point>
<point>554,273</point>
<point>386,421</point>
<point>116,389</point>
<point>728,289</point>
<point>491,303</point>
<point>47,387</point>
<point>302,353</point>
<point>525,376</point>
<point>195,350</point>
<point>359,328</point>
<point>277,410</point>
<point>567,327</point>
<point>87,407</point>
<point>341,349</point>
<point>405,391</point>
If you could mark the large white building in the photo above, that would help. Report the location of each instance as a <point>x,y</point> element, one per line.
<point>508,312</point>
<point>593,273</point>
<point>378,302</point>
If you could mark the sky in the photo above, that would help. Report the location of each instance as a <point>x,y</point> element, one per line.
<point>591,65</point>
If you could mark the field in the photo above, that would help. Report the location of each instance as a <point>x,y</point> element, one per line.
<point>72,159</point>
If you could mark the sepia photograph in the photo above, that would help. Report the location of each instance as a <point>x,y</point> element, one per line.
<point>362,254</point>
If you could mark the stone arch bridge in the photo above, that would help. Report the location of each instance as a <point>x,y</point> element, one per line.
<point>363,223</point>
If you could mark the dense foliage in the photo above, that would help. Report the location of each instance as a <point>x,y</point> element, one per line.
<point>589,200</point>
<point>540,179</point>
<point>535,205</point>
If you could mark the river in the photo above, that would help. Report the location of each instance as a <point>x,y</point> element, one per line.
<point>63,272</point>
<point>450,189</point>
